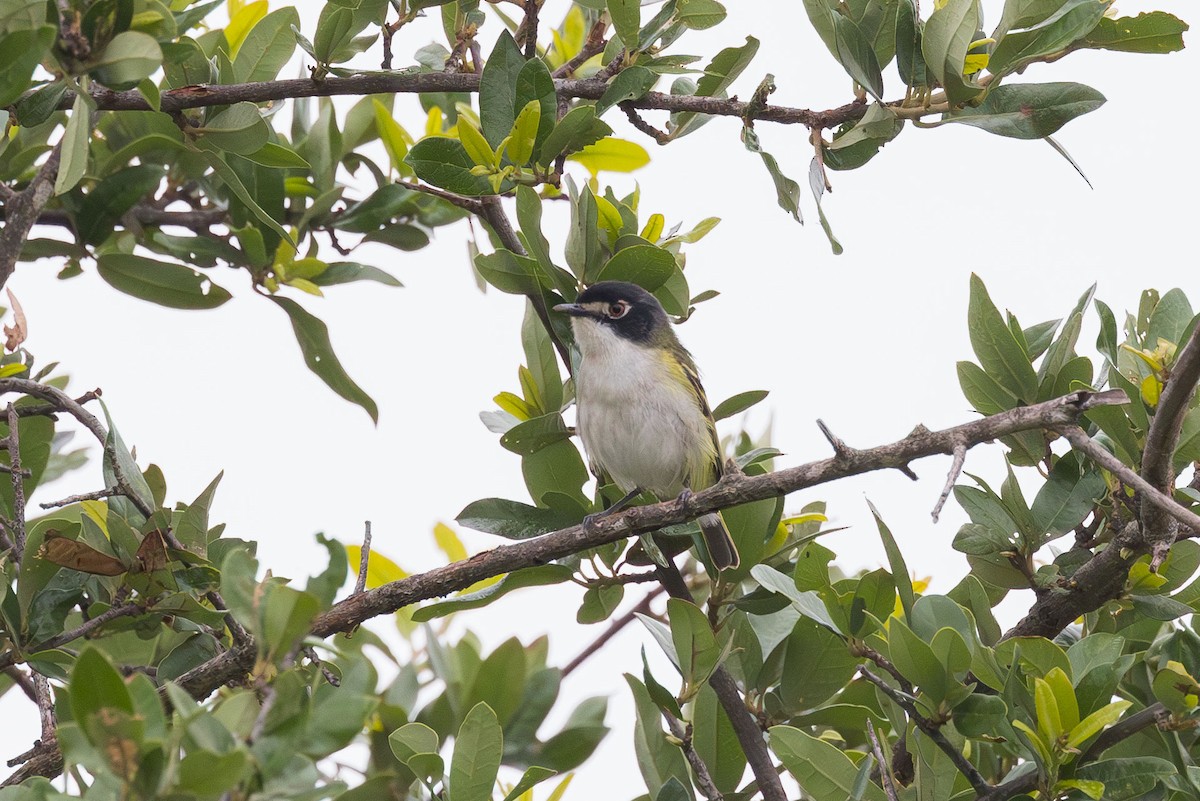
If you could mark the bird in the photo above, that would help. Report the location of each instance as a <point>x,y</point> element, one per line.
<point>641,410</point>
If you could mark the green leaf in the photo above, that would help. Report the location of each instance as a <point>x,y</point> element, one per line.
<point>1066,499</point>
<point>477,752</point>
<point>820,768</point>
<point>1148,32</point>
<point>787,191</point>
<point>412,739</point>
<point>508,272</point>
<point>128,58</point>
<point>1129,778</point>
<point>444,163</point>
<point>855,53</point>
<point>718,76</point>
<point>345,272</point>
<point>313,337</point>
<point>534,82</point>
<point>630,84</point>
<point>696,646</point>
<point>1030,110</point>
<point>539,576</point>
<point>204,773</point>
<point>699,14</point>
<point>531,777</point>
<point>240,128</point>
<point>983,392</point>
<point>739,403</point>
<point>268,46</point>
<point>111,198</point>
<point>627,19</point>
<point>234,183</point>
<point>896,563</point>
<point>1071,21</point>
<point>95,685</point>
<point>498,89</point>
<point>816,665</point>
<point>24,50</point>
<point>997,349</point>
<point>76,137</point>
<point>645,265</point>
<point>816,182</point>
<point>530,436</point>
<point>599,603</point>
<point>575,131</point>
<point>658,760</point>
<point>948,34</point>
<point>174,285</point>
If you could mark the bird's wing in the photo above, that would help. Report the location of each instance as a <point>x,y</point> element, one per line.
<point>693,377</point>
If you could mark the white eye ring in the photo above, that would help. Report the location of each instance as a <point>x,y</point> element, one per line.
<point>616,311</point>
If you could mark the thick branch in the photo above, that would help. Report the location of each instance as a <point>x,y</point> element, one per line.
<point>21,211</point>
<point>733,490</point>
<point>1158,528</point>
<point>589,89</point>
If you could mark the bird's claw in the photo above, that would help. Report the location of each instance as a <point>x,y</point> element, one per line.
<point>684,500</point>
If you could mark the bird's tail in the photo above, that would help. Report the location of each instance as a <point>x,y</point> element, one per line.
<point>720,545</point>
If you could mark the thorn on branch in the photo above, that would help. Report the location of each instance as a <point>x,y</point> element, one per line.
<point>840,449</point>
<point>956,468</point>
<point>364,559</point>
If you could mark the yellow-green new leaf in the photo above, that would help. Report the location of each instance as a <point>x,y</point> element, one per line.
<point>73,161</point>
<point>1094,723</point>
<point>395,139</point>
<point>1064,696</point>
<point>1048,719</point>
<point>613,155</point>
<point>476,146</point>
<point>1035,740</point>
<point>524,133</point>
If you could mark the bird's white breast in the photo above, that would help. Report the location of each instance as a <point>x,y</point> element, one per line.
<point>638,424</point>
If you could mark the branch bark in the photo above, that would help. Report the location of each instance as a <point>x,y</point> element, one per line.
<point>1158,528</point>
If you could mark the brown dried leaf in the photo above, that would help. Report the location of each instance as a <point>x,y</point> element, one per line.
<point>16,333</point>
<point>80,556</point>
<point>152,553</point>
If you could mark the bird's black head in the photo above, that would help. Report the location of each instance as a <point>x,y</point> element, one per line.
<point>624,308</point>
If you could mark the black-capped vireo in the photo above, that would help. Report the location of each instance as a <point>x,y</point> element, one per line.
<point>642,413</point>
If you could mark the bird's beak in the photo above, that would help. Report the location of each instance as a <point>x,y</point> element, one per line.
<point>573,309</point>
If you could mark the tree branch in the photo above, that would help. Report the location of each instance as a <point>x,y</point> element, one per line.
<point>1158,527</point>
<point>733,490</point>
<point>21,211</point>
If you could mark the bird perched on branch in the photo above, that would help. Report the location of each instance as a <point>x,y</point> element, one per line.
<point>643,416</point>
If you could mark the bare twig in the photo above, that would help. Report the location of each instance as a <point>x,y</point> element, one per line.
<point>733,490</point>
<point>22,680</point>
<point>364,560</point>
<point>614,628</point>
<point>931,730</point>
<point>843,451</point>
<point>885,775</point>
<point>745,727</point>
<point>594,45</point>
<point>956,468</point>
<point>529,27</point>
<point>86,496</point>
<point>18,485</point>
<point>45,705</point>
<point>492,213</point>
<point>473,205</point>
<point>1150,494</point>
<point>82,630</point>
<point>704,779</point>
<point>635,119</point>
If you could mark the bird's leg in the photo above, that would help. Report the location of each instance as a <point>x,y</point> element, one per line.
<point>685,498</point>
<point>595,517</point>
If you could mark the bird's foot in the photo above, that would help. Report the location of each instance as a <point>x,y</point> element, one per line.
<point>684,500</point>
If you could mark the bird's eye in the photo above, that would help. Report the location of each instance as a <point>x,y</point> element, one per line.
<point>618,310</point>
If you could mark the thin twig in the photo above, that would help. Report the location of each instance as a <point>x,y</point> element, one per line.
<point>745,727</point>
<point>614,628</point>
<point>82,630</point>
<point>470,204</point>
<point>956,468</point>
<point>530,27</point>
<point>931,730</point>
<point>594,45</point>
<point>86,496</point>
<point>635,119</point>
<point>22,680</point>
<point>364,559</point>
<point>1150,494</point>
<point>18,485</point>
<point>704,781</point>
<point>885,775</point>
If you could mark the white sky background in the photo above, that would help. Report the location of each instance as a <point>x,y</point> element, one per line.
<point>867,341</point>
